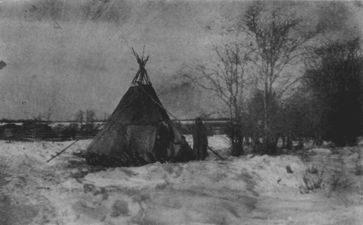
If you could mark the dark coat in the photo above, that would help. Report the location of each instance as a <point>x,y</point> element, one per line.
<point>200,140</point>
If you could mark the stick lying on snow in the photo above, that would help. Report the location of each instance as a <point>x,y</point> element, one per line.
<point>58,153</point>
<point>215,153</point>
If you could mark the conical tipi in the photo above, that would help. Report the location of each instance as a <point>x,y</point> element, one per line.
<point>139,131</point>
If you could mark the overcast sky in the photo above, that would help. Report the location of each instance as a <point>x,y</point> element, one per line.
<point>66,55</point>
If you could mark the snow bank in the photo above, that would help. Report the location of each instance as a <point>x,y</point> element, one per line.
<point>245,190</point>
<point>321,151</point>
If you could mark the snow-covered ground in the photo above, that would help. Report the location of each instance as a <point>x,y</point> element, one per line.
<point>322,188</point>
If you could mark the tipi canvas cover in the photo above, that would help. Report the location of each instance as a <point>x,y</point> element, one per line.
<point>139,131</point>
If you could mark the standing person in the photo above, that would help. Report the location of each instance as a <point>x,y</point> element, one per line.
<point>200,139</point>
<point>236,138</point>
<point>164,137</point>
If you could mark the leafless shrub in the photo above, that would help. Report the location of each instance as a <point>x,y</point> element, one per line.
<point>313,179</point>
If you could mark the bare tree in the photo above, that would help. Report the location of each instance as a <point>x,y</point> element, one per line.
<point>278,39</point>
<point>90,116</point>
<point>227,78</point>
<point>80,117</point>
<point>335,82</point>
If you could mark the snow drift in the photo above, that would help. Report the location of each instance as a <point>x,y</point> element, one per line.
<point>246,190</point>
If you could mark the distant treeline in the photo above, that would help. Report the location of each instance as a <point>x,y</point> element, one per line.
<point>28,130</point>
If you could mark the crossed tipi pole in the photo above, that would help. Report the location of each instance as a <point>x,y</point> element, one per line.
<point>141,76</point>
